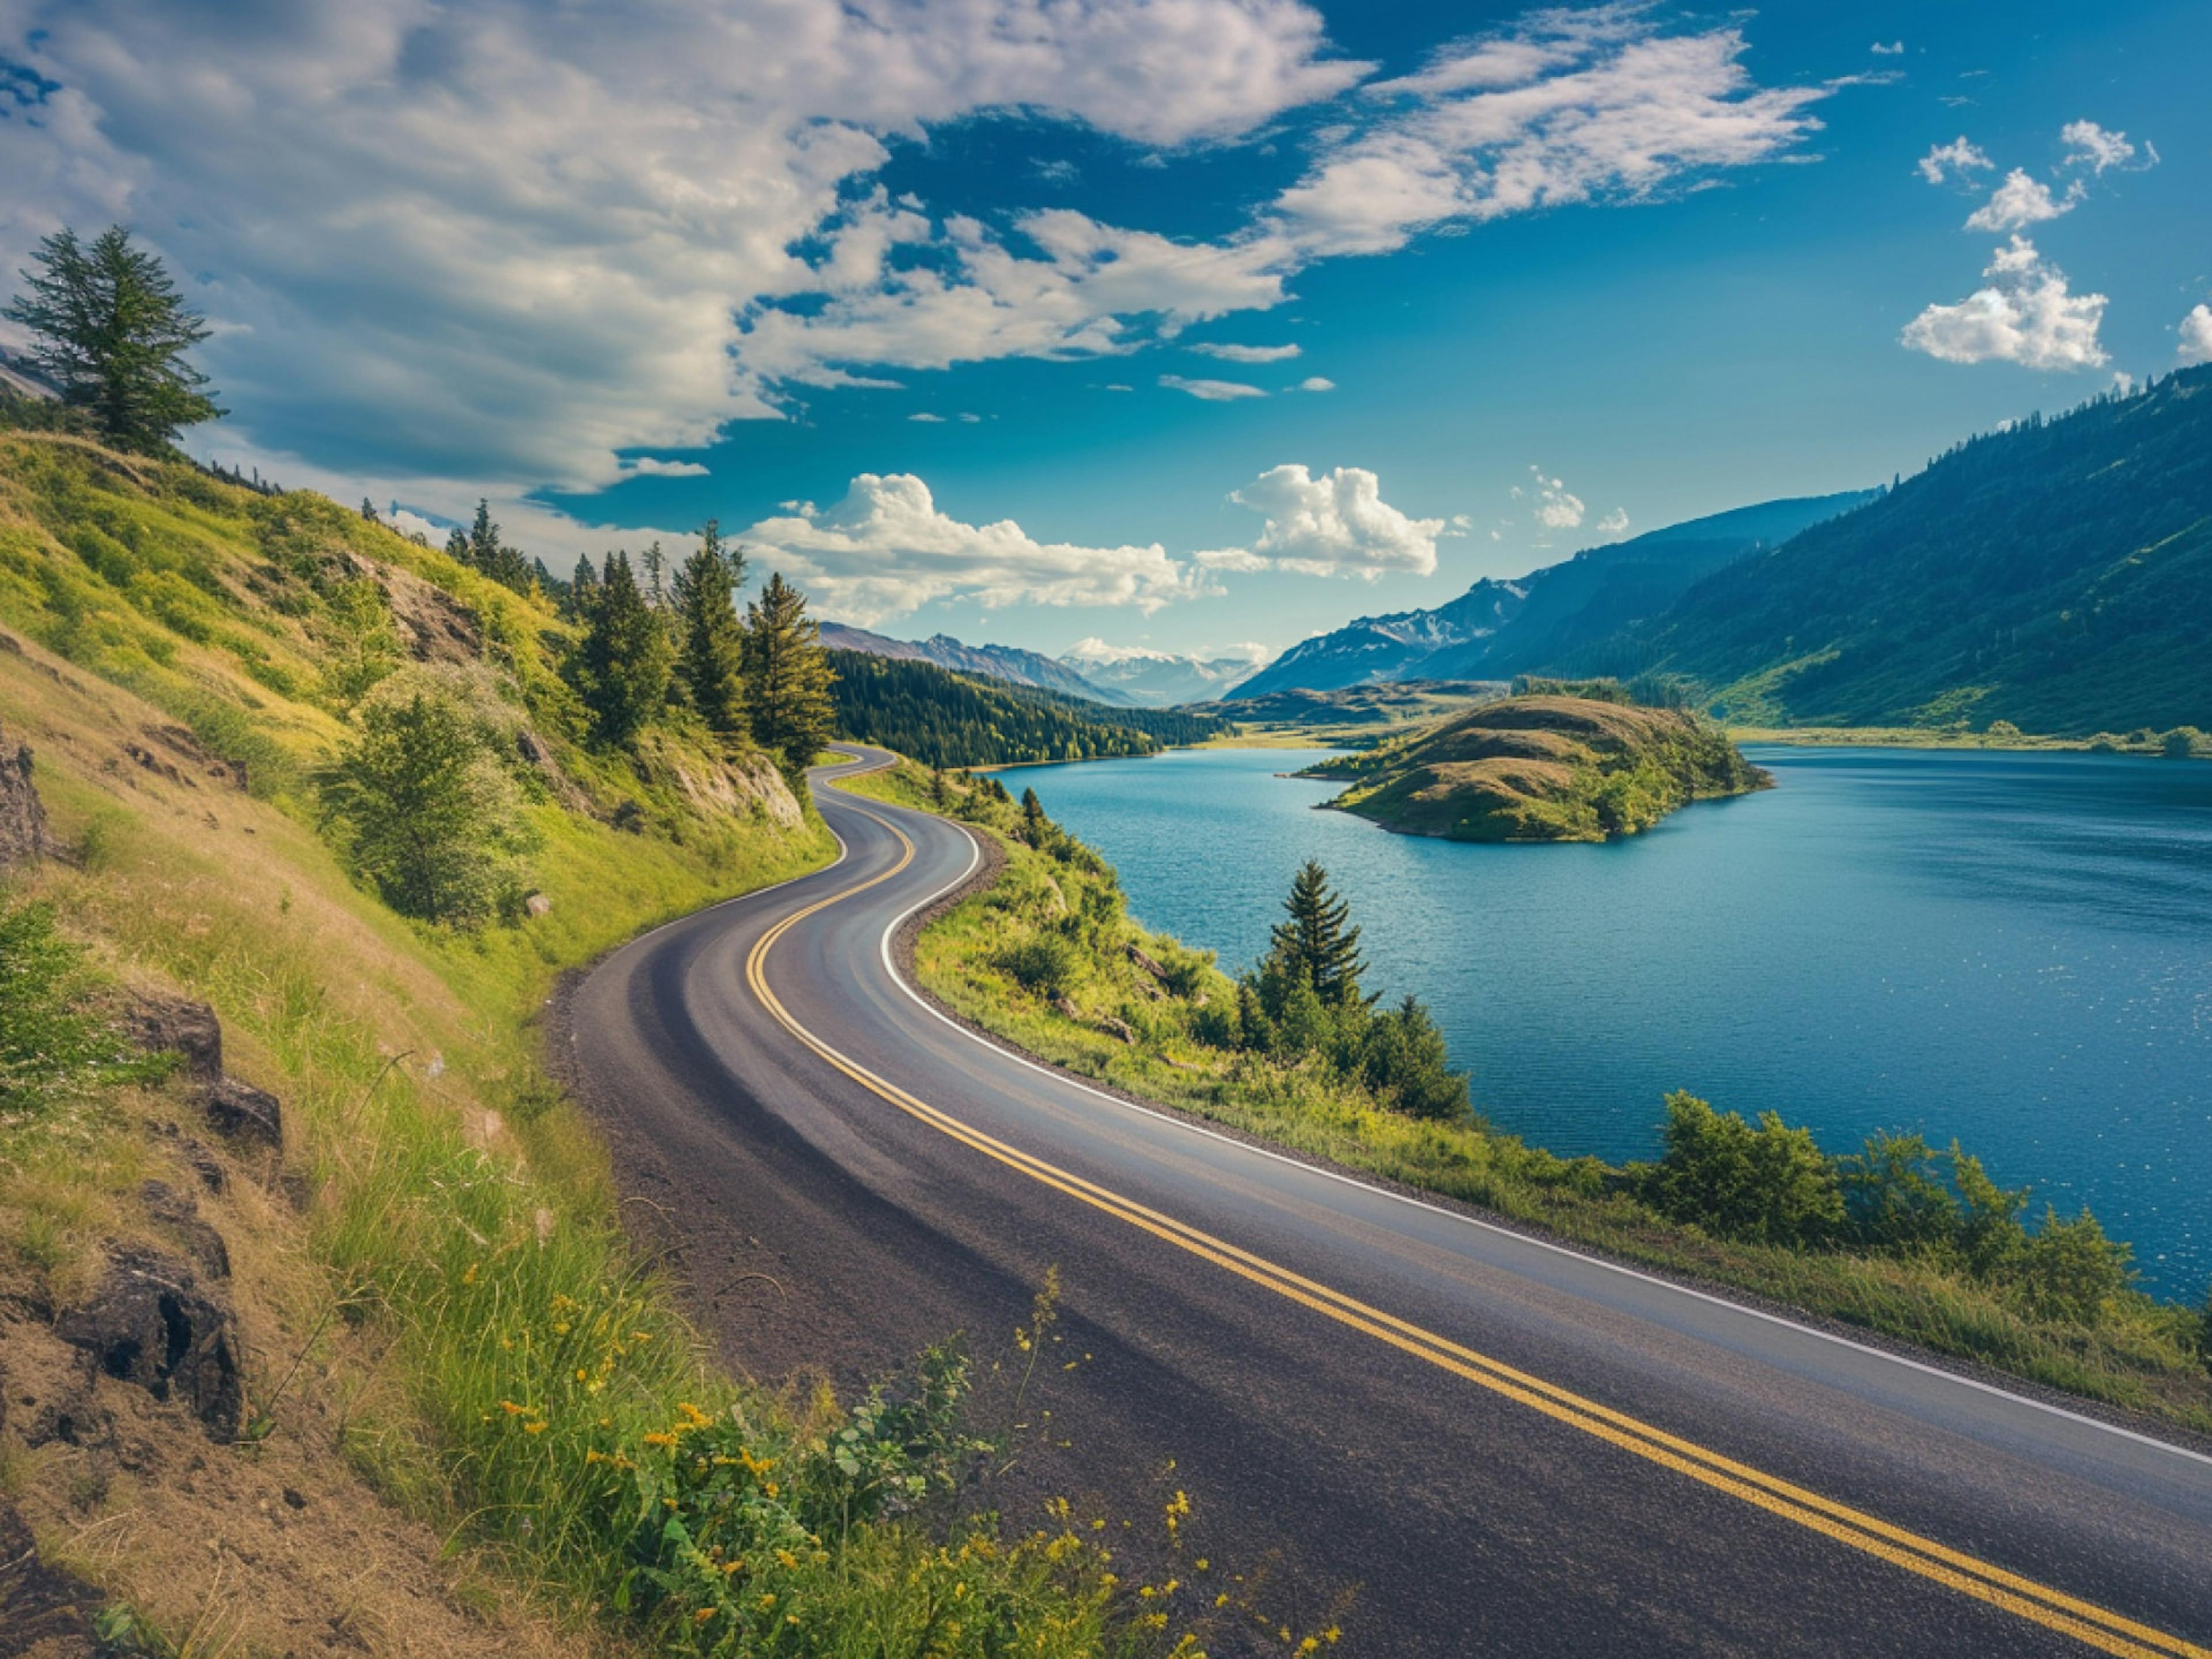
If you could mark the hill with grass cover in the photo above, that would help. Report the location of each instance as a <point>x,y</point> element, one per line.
<point>420,1387</point>
<point>941,718</point>
<point>1542,768</point>
<point>2057,575</point>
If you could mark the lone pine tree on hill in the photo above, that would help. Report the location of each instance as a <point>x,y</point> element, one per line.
<point>1318,944</point>
<point>787,676</point>
<point>110,331</point>
<point>488,553</point>
<point>710,639</point>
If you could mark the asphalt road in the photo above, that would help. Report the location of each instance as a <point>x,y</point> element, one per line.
<point>1499,1446</point>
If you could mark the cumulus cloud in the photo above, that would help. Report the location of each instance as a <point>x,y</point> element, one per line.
<point>927,418</point>
<point>2024,313</point>
<point>886,549</point>
<point>1614,523</point>
<point>1894,49</point>
<point>1241,560</point>
<point>1246,354</point>
<point>1212,391</point>
<point>1956,160</point>
<point>2021,201</point>
<point>2091,146</point>
<point>1336,524</point>
<point>1316,383</point>
<point>2197,335</point>
<point>1565,107</point>
<point>1556,507</point>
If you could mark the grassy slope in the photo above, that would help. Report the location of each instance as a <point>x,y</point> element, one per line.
<point>2136,1357</point>
<point>445,1325</point>
<point>1542,768</point>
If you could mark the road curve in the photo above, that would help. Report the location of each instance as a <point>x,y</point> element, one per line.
<point>1506,1447</point>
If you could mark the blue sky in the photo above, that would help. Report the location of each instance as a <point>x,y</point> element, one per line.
<point>862,280</point>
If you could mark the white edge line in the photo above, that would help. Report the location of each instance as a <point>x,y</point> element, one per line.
<point>975,856</point>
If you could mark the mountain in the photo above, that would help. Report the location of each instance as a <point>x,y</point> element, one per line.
<point>1542,768</point>
<point>2057,575</point>
<point>1156,679</point>
<point>1500,628</point>
<point>943,718</point>
<point>998,662</point>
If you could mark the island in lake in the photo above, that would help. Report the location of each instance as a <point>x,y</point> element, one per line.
<point>1542,768</point>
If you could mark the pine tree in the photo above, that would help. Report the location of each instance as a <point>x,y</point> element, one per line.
<point>110,329</point>
<point>368,511</point>
<point>623,663</point>
<point>1036,827</point>
<point>457,547</point>
<point>787,676</point>
<point>1317,945</point>
<point>710,638</point>
<point>583,590</point>
<point>655,594</point>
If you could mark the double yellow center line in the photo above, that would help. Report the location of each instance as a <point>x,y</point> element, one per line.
<point>2055,1610</point>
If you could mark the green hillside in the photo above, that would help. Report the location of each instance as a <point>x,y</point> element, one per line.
<point>943,719</point>
<point>1542,768</point>
<point>2057,575</point>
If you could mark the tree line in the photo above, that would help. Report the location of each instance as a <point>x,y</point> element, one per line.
<point>941,718</point>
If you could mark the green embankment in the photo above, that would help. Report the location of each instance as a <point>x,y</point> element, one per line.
<point>1921,1249</point>
<point>1542,768</point>
<point>497,1425</point>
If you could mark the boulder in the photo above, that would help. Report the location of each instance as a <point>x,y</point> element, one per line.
<point>1144,963</point>
<point>239,1111</point>
<point>152,1324</point>
<point>1117,1028</point>
<point>537,904</point>
<point>165,1024</point>
<point>23,832</point>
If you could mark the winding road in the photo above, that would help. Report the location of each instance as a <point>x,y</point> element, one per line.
<point>1507,1447</point>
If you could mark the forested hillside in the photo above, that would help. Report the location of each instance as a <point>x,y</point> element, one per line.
<point>2057,575</point>
<point>943,719</point>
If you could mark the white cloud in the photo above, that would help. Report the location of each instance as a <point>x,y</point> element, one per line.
<point>886,549</point>
<point>1955,160</point>
<point>1614,523</point>
<point>1316,383</point>
<point>2024,313</point>
<point>1336,525</point>
<point>1565,107</point>
<point>2090,145</point>
<point>510,241</point>
<point>927,418</point>
<point>1241,561</point>
<point>1894,49</point>
<point>652,466</point>
<point>1212,391</point>
<point>2021,201</point>
<point>1246,354</point>
<point>970,419</point>
<point>2197,335</point>
<point>1557,508</point>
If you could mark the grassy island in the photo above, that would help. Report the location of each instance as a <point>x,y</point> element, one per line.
<point>1542,768</point>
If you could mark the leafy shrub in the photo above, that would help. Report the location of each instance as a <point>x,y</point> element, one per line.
<point>1043,964</point>
<point>422,803</point>
<point>1771,1184</point>
<point>2069,1269</point>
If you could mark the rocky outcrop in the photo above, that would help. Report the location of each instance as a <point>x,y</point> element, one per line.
<point>23,832</point>
<point>154,1324</point>
<point>160,1024</point>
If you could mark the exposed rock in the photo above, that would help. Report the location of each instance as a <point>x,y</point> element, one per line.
<point>537,904</point>
<point>148,761</point>
<point>240,1111</point>
<point>23,833</point>
<point>1065,1006</point>
<point>1145,964</point>
<point>45,1613</point>
<point>151,1324</point>
<point>1117,1028</point>
<point>538,756</point>
<point>180,741</point>
<point>160,1024</point>
<point>179,1215</point>
<point>437,627</point>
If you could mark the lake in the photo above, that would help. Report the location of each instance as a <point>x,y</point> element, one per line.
<point>2011,949</point>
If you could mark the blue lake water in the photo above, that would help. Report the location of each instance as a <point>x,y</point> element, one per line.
<point>2013,950</point>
